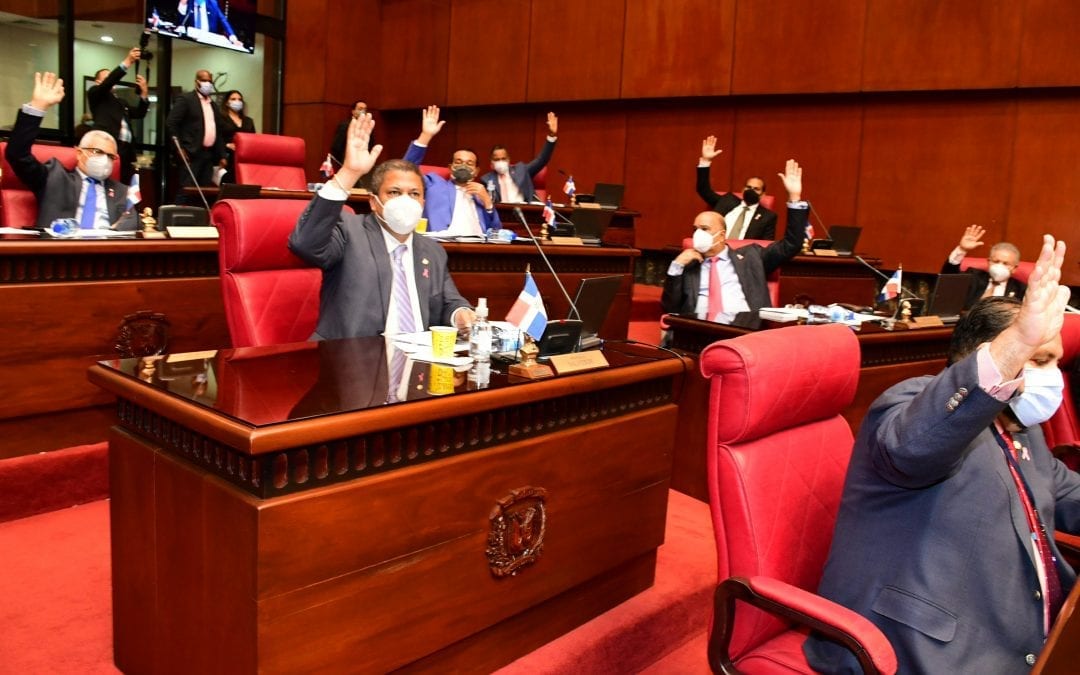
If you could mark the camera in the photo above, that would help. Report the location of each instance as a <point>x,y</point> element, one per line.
<point>143,42</point>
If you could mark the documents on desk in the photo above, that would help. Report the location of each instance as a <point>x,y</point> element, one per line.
<point>783,314</point>
<point>418,347</point>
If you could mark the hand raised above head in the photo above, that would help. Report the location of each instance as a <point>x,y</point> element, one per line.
<point>359,159</point>
<point>1043,310</point>
<point>792,178</point>
<point>972,238</point>
<point>430,124</point>
<point>709,152</point>
<point>552,124</point>
<point>48,91</point>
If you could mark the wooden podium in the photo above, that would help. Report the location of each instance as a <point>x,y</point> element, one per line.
<point>271,512</point>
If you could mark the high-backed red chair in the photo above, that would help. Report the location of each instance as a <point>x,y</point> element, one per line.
<point>18,206</point>
<point>271,296</point>
<point>1063,429</point>
<point>1023,270</point>
<point>768,201</point>
<point>778,451</point>
<point>539,186</point>
<point>443,171</point>
<point>270,161</point>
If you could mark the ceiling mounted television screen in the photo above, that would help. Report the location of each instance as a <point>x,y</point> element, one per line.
<point>218,23</point>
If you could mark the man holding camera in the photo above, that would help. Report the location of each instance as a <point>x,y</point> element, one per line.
<point>112,115</point>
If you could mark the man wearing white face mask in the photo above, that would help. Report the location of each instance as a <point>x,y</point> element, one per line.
<point>378,276</point>
<point>88,194</point>
<point>997,280</point>
<point>945,534</point>
<point>514,182</point>
<point>714,282</point>
<point>193,120</point>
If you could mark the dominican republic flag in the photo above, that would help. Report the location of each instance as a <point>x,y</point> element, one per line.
<point>891,289</point>
<point>134,194</point>
<point>549,213</point>
<point>809,231</point>
<point>528,312</point>
<point>327,167</point>
<point>569,187</point>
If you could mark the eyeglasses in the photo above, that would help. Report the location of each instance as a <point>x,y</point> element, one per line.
<point>98,152</point>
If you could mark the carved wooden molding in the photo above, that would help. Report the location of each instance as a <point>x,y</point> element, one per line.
<point>514,264</point>
<point>518,527</point>
<point>63,268</point>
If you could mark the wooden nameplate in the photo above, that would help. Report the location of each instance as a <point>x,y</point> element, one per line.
<point>920,322</point>
<point>825,252</point>
<point>587,205</point>
<point>578,361</point>
<point>192,232</point>
<point>565,241</point>
<point>151,234</point>
<point>531,371</point>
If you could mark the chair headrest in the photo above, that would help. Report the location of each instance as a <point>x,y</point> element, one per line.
<point>269,149</point>
<point>443,171</point>
<point>63,154</point>
<point>255,232</point>
<point>1022,272</point>
<point>1070,338</point>
<point>778,379</point>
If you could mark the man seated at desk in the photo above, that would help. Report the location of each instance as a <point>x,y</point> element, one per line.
<point>88,194</point>
<point>460,206</point>
<point>945,534</point>
<point>746,218</point>
<point>377,276</point>
<point>513,183</point>
<point>714,282</point>
<point>997,279</point>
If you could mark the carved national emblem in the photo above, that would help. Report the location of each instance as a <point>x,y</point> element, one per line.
<point>143,333</point>
<point>518,524</point>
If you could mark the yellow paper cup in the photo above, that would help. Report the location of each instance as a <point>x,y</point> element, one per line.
<point>442,341</point>
<point>441,379</point>
<point>421,225</point>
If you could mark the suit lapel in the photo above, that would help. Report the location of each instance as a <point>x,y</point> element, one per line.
<point>1016,508</point>
<point>422,277</point>
<point>383,273</point>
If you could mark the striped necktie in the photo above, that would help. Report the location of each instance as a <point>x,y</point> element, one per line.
<point>406,322</point>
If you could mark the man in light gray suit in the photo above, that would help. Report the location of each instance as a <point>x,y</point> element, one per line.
<point>377,276</point>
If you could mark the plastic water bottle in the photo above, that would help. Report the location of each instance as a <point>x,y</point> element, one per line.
<point>64,228</point>
<point>480,336</point>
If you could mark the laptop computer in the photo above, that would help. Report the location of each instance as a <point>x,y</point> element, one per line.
<point>609,195</point>
<point>843,238</point>
<point>590,224</point>
<point>239,191</point>
<point>593,301</point>
<point>947,300</point>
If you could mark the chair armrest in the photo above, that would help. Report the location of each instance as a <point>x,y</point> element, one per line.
<point>835,622</point>
<point>1069,545</point>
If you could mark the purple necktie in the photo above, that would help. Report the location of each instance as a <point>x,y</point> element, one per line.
<point>405,319</point>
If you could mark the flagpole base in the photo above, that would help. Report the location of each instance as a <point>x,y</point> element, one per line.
<point>531,371</point>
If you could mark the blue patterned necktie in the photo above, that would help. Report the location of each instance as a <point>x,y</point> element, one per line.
<point>89,211</point>
<point>405,319</point>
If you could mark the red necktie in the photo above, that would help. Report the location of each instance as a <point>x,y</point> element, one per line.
<point>716,299</point>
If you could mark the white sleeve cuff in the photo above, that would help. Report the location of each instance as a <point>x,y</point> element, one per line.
<point>957,256</point>
<point>332,191</point>
<point>31,110</point>
<point>675,269</point>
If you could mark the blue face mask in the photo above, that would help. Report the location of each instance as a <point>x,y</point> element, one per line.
<point>1043,391</point>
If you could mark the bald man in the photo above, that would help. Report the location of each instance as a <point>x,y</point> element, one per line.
<point>193,120</point>
<point>742,273</point>
<point>88,194</point>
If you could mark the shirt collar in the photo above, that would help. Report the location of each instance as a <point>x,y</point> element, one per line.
<point>392,243</point>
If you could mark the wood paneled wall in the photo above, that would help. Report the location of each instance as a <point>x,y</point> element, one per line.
<point>913,118</point>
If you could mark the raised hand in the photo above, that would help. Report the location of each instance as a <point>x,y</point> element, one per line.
<point>359,159</point>
<point>48,91</point>
<point>1043,310</point>
<point>709,151</point>
<point>132,56</point>
<point>972,238</point>
<point>792,178</point>
<point>144,89</point>
<point>430,124</point>
<point>552,124</point>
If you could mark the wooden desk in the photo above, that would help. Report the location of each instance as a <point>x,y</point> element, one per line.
<point>825,279</point>
<point>619,233</point>
<point>64,306</point>
<point>887,357</point>
<point>272,513</point>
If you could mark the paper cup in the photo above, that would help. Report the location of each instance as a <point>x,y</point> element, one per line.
<point>441,380</point>
<point>442,341</point>
<point>421,225</point>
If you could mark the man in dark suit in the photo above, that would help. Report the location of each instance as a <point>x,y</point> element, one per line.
<point>193,120</point>
<point>997,280</point>
<point>112,115</point>
<point>514,182</point>
<point>460,205</point>
<point>746,218</point>
<point>61,193</point>
<point>945,534</point>
<point>690,284</point>
<point>378,276</point>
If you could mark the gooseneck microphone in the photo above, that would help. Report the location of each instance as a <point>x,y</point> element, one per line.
<point>187,165</point>
<point>540,249</point>
<point>820,221</point>
<point>884,276</point>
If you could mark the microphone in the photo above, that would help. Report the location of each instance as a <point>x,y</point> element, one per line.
<point>884,276</point>
<point>820,221</point>
<point>187,165</point>
<point>540,249</point>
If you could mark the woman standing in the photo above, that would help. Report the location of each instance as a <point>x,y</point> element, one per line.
<point>234,120</point>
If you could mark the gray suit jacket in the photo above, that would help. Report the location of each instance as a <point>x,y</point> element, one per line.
<point>357,277</point>
<point>932,543</point>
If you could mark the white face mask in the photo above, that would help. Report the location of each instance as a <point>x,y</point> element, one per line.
<point>401,213</point>
<point>206,88</point>
<point>99,167</point>
<point>237,106</point>
<point>998,272</point>
<point>703,240</point>
<point>1043,391</point>
<point>501,166</point>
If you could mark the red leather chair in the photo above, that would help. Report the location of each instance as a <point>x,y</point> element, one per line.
<point>773,279</point>
<point>768,201</point>
<point>443,171</point>
<point>271,296</point>
<point>270,161</point>
<point>539,186</point>
<point>1023,270</point>
<point>18,206</point>
<point>778,451</point>
<point>1063,429</point>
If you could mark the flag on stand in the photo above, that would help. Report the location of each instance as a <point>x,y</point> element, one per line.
<point>809,232</point>
<point>134,194</point>
<point>528,312</point>
<point>891,289</point>
<point>549,213</point>
<point>327,168</point>
<point>569,187</point>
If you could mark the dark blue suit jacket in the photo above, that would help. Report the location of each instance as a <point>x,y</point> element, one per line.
<point>932,543</point>
<point>522,175</point>
<point>440,195</point>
